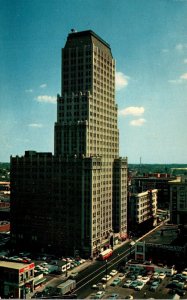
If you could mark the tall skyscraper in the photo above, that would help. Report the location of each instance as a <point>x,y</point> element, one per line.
<point>79,195</point>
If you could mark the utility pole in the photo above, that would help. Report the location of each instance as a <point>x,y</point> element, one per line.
<point>66,268</point>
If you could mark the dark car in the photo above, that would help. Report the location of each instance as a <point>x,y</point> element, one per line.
<point>180,292</point>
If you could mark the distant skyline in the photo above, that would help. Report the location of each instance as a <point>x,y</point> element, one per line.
<point>148,39</point>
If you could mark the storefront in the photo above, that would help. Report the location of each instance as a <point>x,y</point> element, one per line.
<point>17,279</point>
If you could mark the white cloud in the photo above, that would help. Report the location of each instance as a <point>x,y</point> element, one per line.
<point>29,90</point>
<point>121,80</point>
<point>138,122</point>
<point>132,110</point>
<point>175,81</point>
<point>46,99</point>
<point>184,76</point>
<point>43,86</point>
<point>35,125</point>
<point>185,60</point>
<point>180,80</point>
<point>165,50</point>
<point>180,47</point>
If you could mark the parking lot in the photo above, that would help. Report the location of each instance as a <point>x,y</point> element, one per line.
<point>139,285</point>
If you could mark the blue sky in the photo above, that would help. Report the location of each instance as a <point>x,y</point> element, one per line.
<point>149,42</point>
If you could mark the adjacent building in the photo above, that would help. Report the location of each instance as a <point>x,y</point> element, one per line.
<point>75,201</point>
<point>16,279</point>
<point>178,200</point>
<point>142,209</point>
<point>159,181</point>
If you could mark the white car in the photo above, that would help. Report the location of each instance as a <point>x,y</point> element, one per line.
<point>162,275</point>
<point>127,283</point>
<point>155,275</point>
<point>121,276</point>
<point>113,273</point>
<point>99,294</point>
<point>99,286</point>
<point>145,279</point>
<point>129,297</point>
<point>106,278</point>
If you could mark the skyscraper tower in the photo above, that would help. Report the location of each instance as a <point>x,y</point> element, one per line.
<point>86,203</point>
<point>87,113</point>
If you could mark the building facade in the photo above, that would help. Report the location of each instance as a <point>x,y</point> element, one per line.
<point>159,181</point>
<point>178,200</point>
<point>142,208</point>
<point>79,194</point>
<point>16,279</point>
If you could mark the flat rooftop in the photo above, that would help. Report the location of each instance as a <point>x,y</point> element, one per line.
<point>13,265</point>
<point>166,235</point>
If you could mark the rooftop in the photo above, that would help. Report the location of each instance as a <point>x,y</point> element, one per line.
<point>165,236</point>
<point>12,265</point>
<point>87,33</point>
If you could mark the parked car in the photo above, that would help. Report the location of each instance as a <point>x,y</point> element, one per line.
<point>113,273</point>
<point>134,284</point>
<point>116,281</point>
<point>139,286</point>
<point>129,297</point>
<point>132,276</point>
<point>145,279</point>
<point>162,275</point>
<point>180,292</point>
<point>155,275</point>
<point>121,276</point>
<point>127,283</point>
<point>153,288</point>
<point>113,296</point>
<point>99,294</point>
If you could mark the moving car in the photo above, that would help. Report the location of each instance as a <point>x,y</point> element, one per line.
<point>106,278</point>
<point>99,286</point>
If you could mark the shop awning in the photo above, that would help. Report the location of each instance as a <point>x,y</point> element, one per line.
<point>39,281</point>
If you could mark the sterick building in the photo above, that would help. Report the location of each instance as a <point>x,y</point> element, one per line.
<point>75,201</point>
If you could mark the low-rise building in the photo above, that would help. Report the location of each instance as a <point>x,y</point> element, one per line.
<point>16,279</point>
<point>159,181</point>
<point>142,207</point>
<point>178,200</point>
